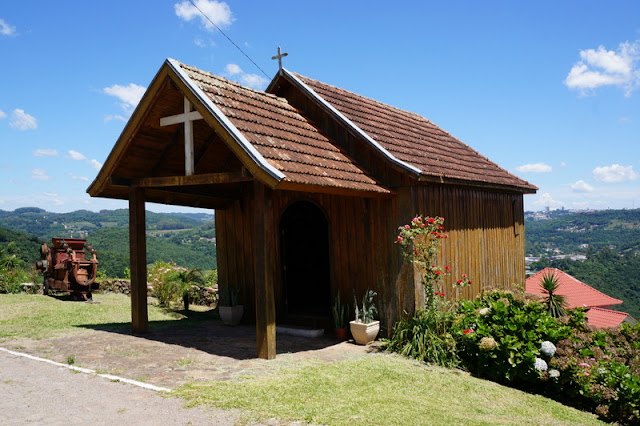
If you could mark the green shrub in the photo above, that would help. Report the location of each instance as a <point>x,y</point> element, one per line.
<point>11,280</point>
<point>500,337</point>
<point>600,371</point>
<point>427,337</point>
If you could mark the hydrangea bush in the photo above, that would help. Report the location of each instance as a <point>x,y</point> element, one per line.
<point>503,337</point>
<point>512,340</point>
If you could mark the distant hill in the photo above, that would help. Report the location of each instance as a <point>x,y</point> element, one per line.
<point>185,238</point>
<point>610,240</point>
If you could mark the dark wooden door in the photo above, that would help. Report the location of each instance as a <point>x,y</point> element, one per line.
<point>305,261</point>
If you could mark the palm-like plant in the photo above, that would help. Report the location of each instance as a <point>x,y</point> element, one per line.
<point>556,303</point>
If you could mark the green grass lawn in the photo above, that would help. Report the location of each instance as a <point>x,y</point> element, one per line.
<point>372,389</point>
<point>36,316</point>
<point>381,389</point>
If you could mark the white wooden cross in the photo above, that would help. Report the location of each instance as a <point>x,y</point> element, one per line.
<point>187,117</point>
<point>279,57</point>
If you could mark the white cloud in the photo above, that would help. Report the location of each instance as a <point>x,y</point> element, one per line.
<point>6,29</point>
<point>601,67</point>
<point>2,114</point>
<point>218,13</point>
<point>39,174</point>
<point>581,186</point>
<point>534,168</point>
<point>109,117</point>
<point>251,80</point>
<point>615,173</point>
<point>80,178</point>
<point>232,69</point>
<point>204,43</point>
<point>75,155</point>
<point>129,95</point>
<point>22,121</point>
<point>45,152</point>
<point>95,164</point>
<point>563,164</point>
<point>546,200</point>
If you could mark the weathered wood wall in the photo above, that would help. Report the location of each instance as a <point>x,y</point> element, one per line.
<point>486,241</point>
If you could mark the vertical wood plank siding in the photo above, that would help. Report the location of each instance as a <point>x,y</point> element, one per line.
<point>486,241</point>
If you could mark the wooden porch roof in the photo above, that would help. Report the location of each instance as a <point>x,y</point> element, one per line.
<point>244,134</point>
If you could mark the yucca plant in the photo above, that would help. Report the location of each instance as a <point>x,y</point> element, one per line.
<point>556,303</point>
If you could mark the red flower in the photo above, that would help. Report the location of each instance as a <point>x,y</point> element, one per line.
<point>467,331</point>
<point>438,272</point>
<point>407,227</point>
<point>447,268</point>
<point>399,239</point>
<point>470,282</point>
<point>431,220</point>
<point>464,275</point>
<point>459,282</point>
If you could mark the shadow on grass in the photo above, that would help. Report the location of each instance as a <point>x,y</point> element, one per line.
<point>205,332</point>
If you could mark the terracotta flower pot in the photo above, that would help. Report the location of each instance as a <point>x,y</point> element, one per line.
<point>364,333</point>
<point>231,315</point>
<point>342,334</point>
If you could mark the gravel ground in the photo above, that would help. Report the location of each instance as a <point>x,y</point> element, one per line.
<point>38,393</point>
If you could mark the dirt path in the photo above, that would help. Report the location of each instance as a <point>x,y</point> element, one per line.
<point>41,393</point>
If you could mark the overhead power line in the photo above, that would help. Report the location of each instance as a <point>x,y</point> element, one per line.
<point>231,41</point>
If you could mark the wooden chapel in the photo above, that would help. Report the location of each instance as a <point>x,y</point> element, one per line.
<point>309,183</point>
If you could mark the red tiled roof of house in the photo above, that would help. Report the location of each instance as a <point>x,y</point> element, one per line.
<point>601,318</point>
<point>576,293</point>
<point>415,140</point>
<point>283,136</point>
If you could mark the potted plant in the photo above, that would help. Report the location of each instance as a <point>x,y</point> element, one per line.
<point>364,328</point>
<point>228,308</point>
<point>340,320</point>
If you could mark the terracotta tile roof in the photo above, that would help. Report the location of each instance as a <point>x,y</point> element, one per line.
<point>601,318</point>
<point>415,140</point>
<point>283,136</point>
<point>577,293</point>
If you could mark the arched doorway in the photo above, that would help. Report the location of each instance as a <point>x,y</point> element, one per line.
<point>304,238</point>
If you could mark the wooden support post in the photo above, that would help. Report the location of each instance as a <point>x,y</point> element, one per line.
<point>138,261</point>
<point>263,271</point>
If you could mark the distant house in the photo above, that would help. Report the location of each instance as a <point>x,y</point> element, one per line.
<point>580,295</point>
<point>310,183</point>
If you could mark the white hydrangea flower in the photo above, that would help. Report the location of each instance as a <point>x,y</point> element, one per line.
<point>484,311</point>
<point>554,373</point>
<point>548,348</point>
<point>540,364</point>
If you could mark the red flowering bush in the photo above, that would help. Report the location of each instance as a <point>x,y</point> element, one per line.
<point>427,335</point>
<point>420,241</point>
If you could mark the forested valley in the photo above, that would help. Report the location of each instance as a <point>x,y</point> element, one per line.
<point>609,240</point>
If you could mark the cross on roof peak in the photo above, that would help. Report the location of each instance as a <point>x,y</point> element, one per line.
<point>279,57</point>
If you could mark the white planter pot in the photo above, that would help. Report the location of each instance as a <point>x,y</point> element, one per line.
<point>231,315</point>
<point>364,333</point>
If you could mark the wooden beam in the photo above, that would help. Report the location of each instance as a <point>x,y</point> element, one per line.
<point>263,272</point>
<point>201,179</point>
<point>138,261</point>
<point>165,152</point>
<point>204,148</point>
<point>180,118</point>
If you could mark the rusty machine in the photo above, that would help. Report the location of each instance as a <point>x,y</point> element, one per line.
<point>70,265</point>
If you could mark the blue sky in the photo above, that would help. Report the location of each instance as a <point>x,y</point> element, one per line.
<point>548,90</point>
